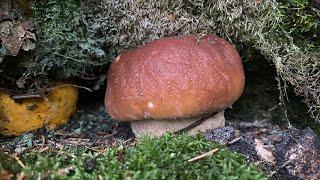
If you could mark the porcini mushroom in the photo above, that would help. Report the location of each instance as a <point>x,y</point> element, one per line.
<point>173,82</point>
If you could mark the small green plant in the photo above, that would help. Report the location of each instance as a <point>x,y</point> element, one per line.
<point>162,158</point>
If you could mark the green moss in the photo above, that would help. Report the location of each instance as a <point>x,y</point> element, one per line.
<point>65,45</point>
<point>163,158</point>
<point>301,21</point>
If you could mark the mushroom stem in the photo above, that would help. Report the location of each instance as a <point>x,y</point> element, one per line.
<point>156,128</point>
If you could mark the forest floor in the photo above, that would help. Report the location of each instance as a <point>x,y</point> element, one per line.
<point>256,127</point>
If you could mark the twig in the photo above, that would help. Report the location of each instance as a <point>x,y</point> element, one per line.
<point>78,139</point>
<point>66,154</point>
<point>65,171</point>
<point>203,155</point>
<point>107,135</point>
<point>126,141</point>
<point>234,141</point>
<point>19,161</point>
<point>197,123</point>
<point>96,150</point>
<point>285,164</point>
<point>73,85</point>
<point>41,95</point>
<point>43,149</point>
<point>26,96</point>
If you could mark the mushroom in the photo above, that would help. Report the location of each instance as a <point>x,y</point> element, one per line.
<point>171,83</point>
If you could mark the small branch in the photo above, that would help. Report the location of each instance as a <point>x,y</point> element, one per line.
<point>203,155</point>
<point>197,123</point>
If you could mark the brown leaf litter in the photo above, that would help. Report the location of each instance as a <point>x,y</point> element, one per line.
<point>16,35</point>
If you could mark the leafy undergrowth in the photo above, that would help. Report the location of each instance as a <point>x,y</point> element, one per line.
<point>161,158</point>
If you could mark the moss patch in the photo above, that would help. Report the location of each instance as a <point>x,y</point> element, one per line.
<point>163,158</point>
<point>66,46</point>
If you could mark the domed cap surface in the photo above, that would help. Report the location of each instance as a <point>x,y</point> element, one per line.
<point>173,78</point>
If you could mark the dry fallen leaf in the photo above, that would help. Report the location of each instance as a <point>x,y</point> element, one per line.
<point>16,35</point>
<point>265,154</point>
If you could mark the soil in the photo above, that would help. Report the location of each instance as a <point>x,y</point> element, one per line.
<point>283,154</point>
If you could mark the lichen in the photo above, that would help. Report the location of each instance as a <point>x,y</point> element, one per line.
<point>66,46</point>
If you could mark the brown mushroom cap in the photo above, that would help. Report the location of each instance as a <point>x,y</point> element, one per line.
<point>174,77</point>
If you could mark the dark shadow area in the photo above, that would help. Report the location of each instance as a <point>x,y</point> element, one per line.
<point>260,100</point>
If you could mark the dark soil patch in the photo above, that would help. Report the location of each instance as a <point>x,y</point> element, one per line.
<point>294,154</point>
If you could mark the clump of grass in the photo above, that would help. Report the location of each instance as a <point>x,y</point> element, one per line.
<point>162,158</point>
